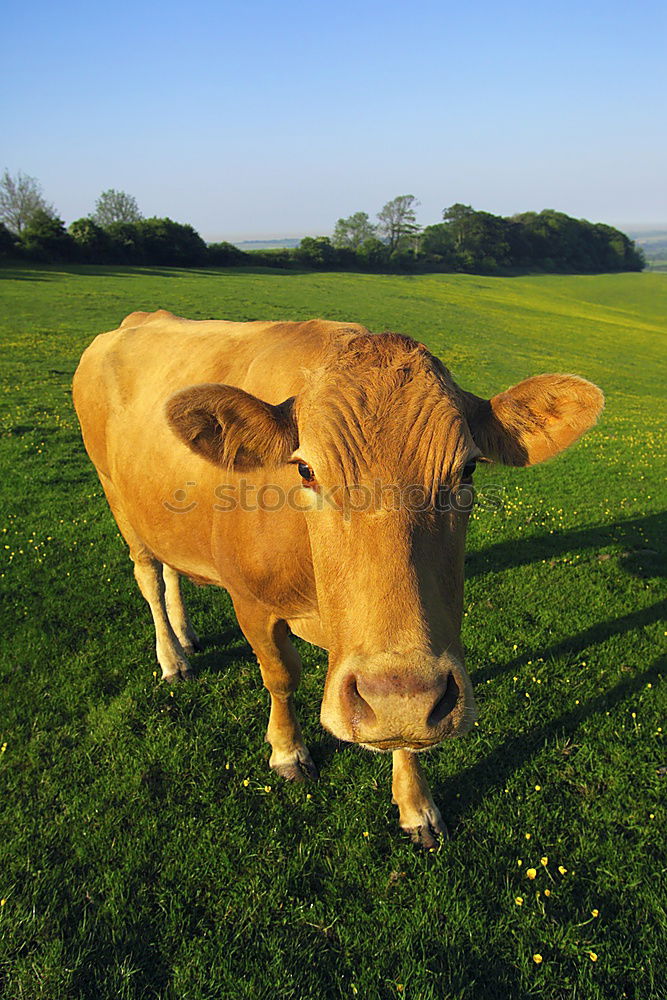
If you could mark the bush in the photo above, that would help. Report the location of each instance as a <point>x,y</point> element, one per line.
<point>280,257</point>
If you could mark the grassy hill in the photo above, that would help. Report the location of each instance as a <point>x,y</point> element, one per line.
<point>145,848</point>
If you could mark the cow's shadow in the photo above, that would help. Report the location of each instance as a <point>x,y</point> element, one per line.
<point>641,540</point>
<point>465,790</point>
<point>220,650</point>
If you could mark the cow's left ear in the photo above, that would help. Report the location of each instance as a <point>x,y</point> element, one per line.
<point>533,420</point>
<point>232,428</point>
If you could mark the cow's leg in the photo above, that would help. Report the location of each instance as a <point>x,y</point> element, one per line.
<point>417,813</point>
<point>280,665</point>
<point>148,574</point>
<point>169,651</point>
<point>176,612</point>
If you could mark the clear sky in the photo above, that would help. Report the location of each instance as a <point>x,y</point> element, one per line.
<point>276,117</point>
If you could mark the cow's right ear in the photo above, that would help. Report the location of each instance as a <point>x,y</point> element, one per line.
<point>232,428</point>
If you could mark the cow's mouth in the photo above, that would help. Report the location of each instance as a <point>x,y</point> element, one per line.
<point>386,746</point>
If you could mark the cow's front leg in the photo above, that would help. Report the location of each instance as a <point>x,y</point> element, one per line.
<point>280,665</point>
<point>418,815</point>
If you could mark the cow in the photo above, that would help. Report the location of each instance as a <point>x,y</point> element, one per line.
<point>312,470</point>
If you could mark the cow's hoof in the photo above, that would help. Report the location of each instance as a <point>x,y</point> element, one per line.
<point>299,768</point>
<point>192,644</point>
<point>430,834</point>
<point>184,673</point>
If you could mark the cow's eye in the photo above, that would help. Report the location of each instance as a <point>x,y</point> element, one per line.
<point>469,468</point>
<point>305,472</point>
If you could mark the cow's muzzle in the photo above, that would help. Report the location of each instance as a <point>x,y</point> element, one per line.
<point>392,702</point>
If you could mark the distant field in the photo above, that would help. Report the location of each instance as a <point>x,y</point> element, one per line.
<point>145,849</point>
<point>287,241</point>
<point>654,244</point>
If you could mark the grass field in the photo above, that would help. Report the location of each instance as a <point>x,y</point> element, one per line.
<point>146,850</point>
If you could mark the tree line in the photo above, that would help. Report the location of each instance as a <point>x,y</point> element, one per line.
<point>465,240</point>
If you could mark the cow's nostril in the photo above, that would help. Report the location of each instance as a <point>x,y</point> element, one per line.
<point>356,703</point>
<point>445,704</point>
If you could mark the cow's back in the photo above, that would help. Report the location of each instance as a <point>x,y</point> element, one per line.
<point>120,389</point>
<point>125,376</point>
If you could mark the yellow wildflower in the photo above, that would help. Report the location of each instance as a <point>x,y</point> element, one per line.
<point>366,833</point>
<point>528,836</point>
<point>544,861</point>
<point>595,913</point>
<point>562,870</point>
<point>547,892</point>
<point>519,900</point>
<point>538,788</point>
<point>593,957</point>
<point>537,959</point>
<point>246,782</point>
<point>267,788</point>
<point>531,873</point>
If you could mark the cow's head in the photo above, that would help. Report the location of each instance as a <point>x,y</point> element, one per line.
<point>382,441</point>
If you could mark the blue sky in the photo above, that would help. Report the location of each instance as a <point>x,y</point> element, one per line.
<point>276,118</point>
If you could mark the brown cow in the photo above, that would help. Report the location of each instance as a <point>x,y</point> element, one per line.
<point>311,469</point>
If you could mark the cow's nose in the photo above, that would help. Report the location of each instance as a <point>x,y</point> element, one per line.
<point>389,710</point>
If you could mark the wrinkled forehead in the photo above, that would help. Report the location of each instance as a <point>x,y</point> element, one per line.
<point>386,424</point>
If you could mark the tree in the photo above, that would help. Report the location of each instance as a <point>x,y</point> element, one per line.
<point>94,244</point>
<point>373,255</point>
<point>8,242</point>
<point>45,238</point>
<point>20,198</point>
<point>437,243</point>
<point>225,254</point>
<point>126,243</point>
<point>115,206</point>
<point>350,233</point>
<point>459,217</point>
<point>175,244</point>
<point>316,251</point>
<point>398,223</point>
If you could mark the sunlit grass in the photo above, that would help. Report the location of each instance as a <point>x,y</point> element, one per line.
<point>145,848</point>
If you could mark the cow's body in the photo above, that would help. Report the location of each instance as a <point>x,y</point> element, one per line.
<point>251,553</point>
<point>203,481</point>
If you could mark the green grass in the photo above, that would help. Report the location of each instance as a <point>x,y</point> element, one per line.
<point>135,862</point>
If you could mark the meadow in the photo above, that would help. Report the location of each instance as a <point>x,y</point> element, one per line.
<point>146,850</point>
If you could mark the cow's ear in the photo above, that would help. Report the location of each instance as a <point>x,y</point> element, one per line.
<point>533,420</point>
<point>231,427</point>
